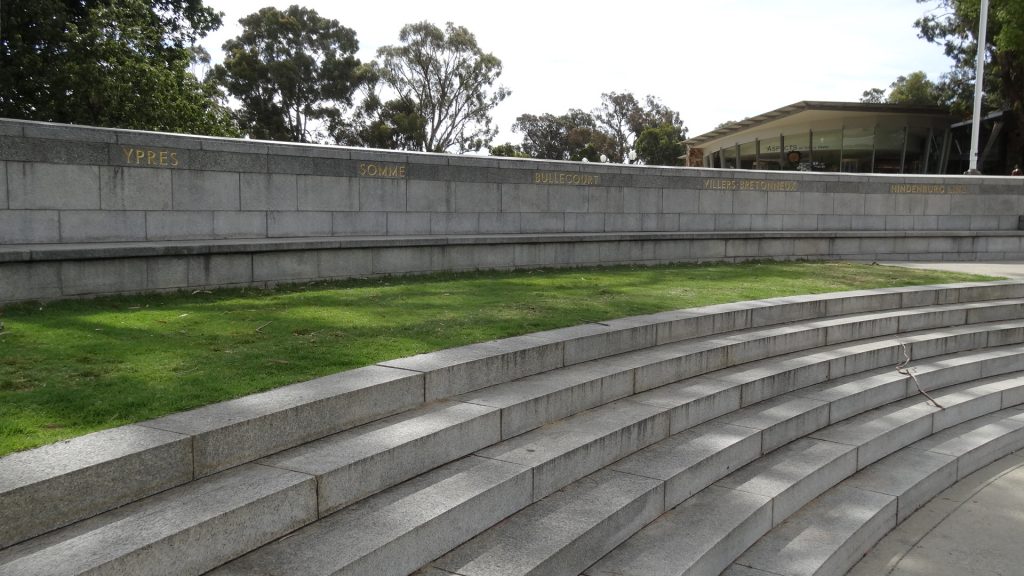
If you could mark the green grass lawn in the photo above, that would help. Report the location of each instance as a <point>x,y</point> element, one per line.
<point>72,367</point>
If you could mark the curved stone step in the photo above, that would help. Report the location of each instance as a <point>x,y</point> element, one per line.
<point>830,534</point>
<point>791,477</point>
<point>200,442</point>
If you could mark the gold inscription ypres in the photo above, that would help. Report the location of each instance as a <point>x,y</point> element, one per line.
<point>567,178</point>
<point>150,157</point>
<point>369,170</point>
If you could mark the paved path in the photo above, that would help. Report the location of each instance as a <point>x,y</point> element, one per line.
<point>976,527</point>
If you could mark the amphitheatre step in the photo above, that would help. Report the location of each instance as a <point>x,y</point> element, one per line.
<point>186,530</point>
<point>217,437</point>
<point>830,534</point>
<point>400,529</point>
<point>600,510</point>
<point>787,479</point>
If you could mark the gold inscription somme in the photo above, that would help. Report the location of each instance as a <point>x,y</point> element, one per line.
<point>150,157</point>
<point>927,189</point>
<point>764,185</point>
<point>370,170</point>
<point>569,178</point>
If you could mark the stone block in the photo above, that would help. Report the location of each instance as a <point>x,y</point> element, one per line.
<point>767,222</point>
<point>570,449</point>
<point>382,195</point>
<point>783,376</point>
<point>695,223</point>
<point>3,186</point>
<point>785,203</point>
<point>237,431</point>
<point>849,204</point>
<point>269,192</point>
<point>53,151</point>
<point>701,536</point>
<point>913,476</point>
<point>40,186</point>
<point>360,224</point>
<point>195,190</point>
<point>640,200</point>
<point>622,223</point>
<point>707,249</point>
<point>882,431</point>
<point>124,188</point>
<point>252,160</point>
<point>543,255</point>
<point>29,226</point>
<point>750,202</point>
<point>827,537</point>
<point>500,223</point>
<point>299,224</point>
<point>183,225</point>
<point>328,193</point>
<point>428,196</point>
<point>477,197</point>
<point>427,516</point>
<point>478,257</point>
<point>163,272</point>
<point>408,223</point>
<point>30,281</point>
<point>716,202</point>
<point>658,222</point>
<point>524,198</point>
<point>732,222</point>
<point>606,200</point>
<point>693,459</point>
<point>980,442</point>
<point>791,222</point>
<point>533,401</point>
<point>879,204</point>
<point>357,463</point>
<point>981,223</point>
<point>87,277</point>
<point>848,397</point>
<point>56,485</point>
<point>102,226</point>
<point>565,533</point>
<point>240,224</point>
<point>353,263</point>
<point>406,260</point>
<point>782,420</point>
<point>542,223</point>
<point>231,514</point>
<point>219,270</point>
<point>454,223</point>
<point>835,222</point>
<point>285,266</point>
<point>568,200</point>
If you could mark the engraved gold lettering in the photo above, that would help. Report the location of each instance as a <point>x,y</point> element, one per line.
<point>139,155</point>
<point>127,154</point>
<point>761,185</point>
<point>926,189</point>
<point>163,157</point>
<point>150,157</point>
<point>371,170</point>
<point>570,178</point>
<point>174,158</point>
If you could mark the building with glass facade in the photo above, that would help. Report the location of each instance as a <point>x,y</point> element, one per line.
<point>834,137</point>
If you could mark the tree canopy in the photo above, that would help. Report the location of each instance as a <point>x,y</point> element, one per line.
<point>293,72</point>
<point>914,88</point>
<point>118,64</point>
<point>447,80</point>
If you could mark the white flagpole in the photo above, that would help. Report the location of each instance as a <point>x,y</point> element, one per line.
<point>976,124</point>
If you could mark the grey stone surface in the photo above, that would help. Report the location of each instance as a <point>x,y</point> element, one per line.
<point>230,513</point>
<point>240,224</point>
<point>701,536</point>
<point>382,195</point>
<point>827,537</point>
<point>285,266</point>
<point>427,196</point>
<point>269,192</point>
<point>124,188</point>
<point>912,475</point>
<point>978,442</point>
<point>425,517</point>
<point>408,223</point>
<point>344,263</point>
<point>299,224</point>
<point>467,368</point>
<point>220,270</point>
<point>102,276</point>
<point>357,463</point>
<point>30,281</point>
<point>694,459</point>
<point>41,186</point>
<point>205,190</point>
<point>563,533</point>
<point>781,420</point>
<point>570,449</point>
<point>29,226</point>
<point>693,401</point>
<point>179,225</point>
<point>237,431</point>
<point>102,226</point>
<point>57,484</point>
<point>328,193</point>
<point>882,431</point>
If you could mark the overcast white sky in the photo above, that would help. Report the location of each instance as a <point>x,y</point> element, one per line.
<point>711,61</point>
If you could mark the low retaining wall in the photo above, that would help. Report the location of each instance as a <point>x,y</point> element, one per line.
<point>87,211</point>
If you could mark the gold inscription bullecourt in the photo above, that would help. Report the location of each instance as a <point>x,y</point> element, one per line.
<point>569,178</point>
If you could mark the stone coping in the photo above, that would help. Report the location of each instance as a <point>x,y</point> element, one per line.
<point>103,250</point>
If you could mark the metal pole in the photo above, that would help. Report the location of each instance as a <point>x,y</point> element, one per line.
<point>976,122</point>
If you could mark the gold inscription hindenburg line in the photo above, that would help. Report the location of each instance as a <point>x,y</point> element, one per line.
<point>570,178</point>
<point>766,185</point>
<point>927,189</point>
<point>381,170</point>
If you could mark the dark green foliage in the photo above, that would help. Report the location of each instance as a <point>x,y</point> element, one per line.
<point>293,71</point>
<point>121,64</point>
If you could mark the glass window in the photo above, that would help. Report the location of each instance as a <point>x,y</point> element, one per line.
<point>827,152</point>
<point>748,155</point>
<point>917,143</point>
<point>858,144</point>
<point>798,151</point>
<point>770,154</point>
<point>728,156</point>
<point>889,150</point>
